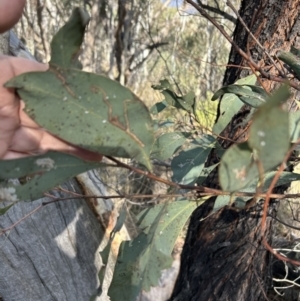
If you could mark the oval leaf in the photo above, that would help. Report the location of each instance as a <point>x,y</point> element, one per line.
<point>44,172</point>
<point>237,167</point>
<point>188,164</point>
<point>141,261</point>
<point>269,133</point>
<point>167,144</point>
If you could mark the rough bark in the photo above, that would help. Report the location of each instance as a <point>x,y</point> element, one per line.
<point>223,258</point>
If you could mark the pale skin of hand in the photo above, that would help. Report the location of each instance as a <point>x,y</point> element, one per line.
<point>19,135</point>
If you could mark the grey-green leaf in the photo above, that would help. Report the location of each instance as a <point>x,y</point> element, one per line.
<point>65,46</point>
<point>5,209</point>
<point>292,60</point>
<point>88,110</point>
<point>185,102</point>
<point>167,144</point>
<point>246,91</point>
<point>158,107</point>
<point>295,51</point>
<point>294,125</point>
<point>230,105</point>
<point>269,135</point>
<point>139,265</point>
<point>188,164</point>
<point>44,172</point>
<point>237,167</point>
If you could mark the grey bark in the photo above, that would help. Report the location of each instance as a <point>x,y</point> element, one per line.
<point>52,254</point>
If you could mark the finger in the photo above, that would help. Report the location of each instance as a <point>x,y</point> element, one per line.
<point>25,119</point>
<point>9,101</point>
<point>38,141</point>
<point>10,13</point>
<point>13,155</point>
<point>10,67</point>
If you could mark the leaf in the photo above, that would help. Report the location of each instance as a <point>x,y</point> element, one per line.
<point>205,173</point>
<point>237,167</point>
<point>285,178</point>
<point>185,102</point>
<point>266,134</point>
<point>221,201</point>
<point>294,125</point>
<point>291,60</point>
<point>121,219</point>
<point>4,210</point>
<point>188,164</point>
<point>230,105</point>
<point>166,123</point>
<point>64,54</point>
<point>295,51</point>
<point>141,261</point>
<point>105,257</point>
<point>163,84</point>
<point>167,144</point>
<point>106,251</point>
<point>158,107</point>
<point>269,133</point>
<point>45,171</point>
<point>240,202</point>
<point>86,109</point>
<point>138,262</point>
<point>249,94</point>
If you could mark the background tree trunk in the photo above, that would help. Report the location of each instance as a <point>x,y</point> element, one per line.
<point>223,258</point>
<point>52,254</point>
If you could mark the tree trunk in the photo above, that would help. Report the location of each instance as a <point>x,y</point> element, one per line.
<point>52,254</point>
<point>223,258</point>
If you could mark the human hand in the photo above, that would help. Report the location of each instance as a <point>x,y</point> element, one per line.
<point>19,135</point>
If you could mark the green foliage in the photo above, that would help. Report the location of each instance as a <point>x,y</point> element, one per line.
<point>188,164</point>
<point>237,167</point>
<point>185,102</point>
<point>43,172</point>
<point>230,105</point>
<point>106,251</point>
<point>294,126</point>
<point>285,178</point>
<point>65,55</point>
<point>243,162</point>
<point>5,209</point>
<point>167,144</point>
<point>267,134</point>
<point>251,95</point>
<point>140,261</point>
<point>291,59</point>
<point>86,109</point>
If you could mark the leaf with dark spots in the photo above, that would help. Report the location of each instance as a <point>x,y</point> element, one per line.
<point>106,114</point>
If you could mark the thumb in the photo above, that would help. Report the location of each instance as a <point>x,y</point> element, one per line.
<point>10,13</point>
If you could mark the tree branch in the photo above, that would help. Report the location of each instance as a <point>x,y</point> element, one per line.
<point>217,11</point>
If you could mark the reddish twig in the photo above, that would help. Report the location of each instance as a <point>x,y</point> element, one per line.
<point>266,206</point>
